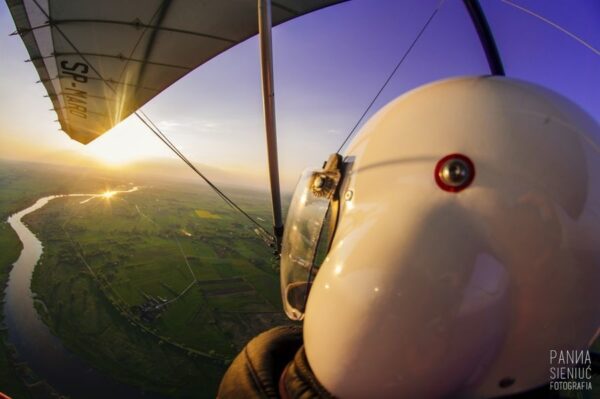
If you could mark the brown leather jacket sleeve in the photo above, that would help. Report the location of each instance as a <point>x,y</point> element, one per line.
<point>255,372</point>
<point>299,382</point>
<point>274,365</point>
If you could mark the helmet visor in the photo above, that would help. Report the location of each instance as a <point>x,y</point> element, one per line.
<point>304,227</point>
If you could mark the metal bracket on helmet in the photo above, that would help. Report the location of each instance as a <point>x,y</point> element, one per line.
<point>324,183</point>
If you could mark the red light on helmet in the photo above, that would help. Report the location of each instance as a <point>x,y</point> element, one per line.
<point>454,173</point>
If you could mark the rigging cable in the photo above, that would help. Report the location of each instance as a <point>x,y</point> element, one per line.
<point>406,53</point>
<point>148,122</point>
<point>158,133</point>
<point>554,25</point>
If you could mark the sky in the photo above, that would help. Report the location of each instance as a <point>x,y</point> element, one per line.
<point>328,66</point>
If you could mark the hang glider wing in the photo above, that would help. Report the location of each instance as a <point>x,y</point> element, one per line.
<point>102,60</point>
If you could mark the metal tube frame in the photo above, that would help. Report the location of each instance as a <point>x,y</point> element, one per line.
<point>485,36</point>
<point>268,94</point>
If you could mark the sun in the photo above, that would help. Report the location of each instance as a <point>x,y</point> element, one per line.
<point>125,144</point>
<point>108,194</point>
<point>112,153</point>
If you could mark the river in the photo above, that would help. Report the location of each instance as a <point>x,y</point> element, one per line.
<point>36,345</point>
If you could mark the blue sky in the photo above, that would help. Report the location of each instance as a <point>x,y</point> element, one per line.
<point>328,66</point>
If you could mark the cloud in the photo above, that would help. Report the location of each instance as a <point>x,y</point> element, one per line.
<point>169,125</point>
<point>189,125</point>
<point>210,125</point>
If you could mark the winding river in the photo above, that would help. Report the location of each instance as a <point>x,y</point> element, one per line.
<point>36,345</point>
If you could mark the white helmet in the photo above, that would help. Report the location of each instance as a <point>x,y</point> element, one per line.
<point>465,247</point>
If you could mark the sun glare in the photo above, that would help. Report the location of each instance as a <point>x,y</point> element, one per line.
<point>127,143</point>
<point>108,194</point>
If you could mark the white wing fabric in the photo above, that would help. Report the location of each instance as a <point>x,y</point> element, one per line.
<point>102,60</point>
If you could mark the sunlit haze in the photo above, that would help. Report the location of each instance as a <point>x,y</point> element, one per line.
<point>328,66</point>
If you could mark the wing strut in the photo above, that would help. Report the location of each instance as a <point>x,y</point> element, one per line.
<point>485,36</point>
<point>266,63</point>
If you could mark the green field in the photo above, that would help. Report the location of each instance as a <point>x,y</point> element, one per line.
<point>151,290</point>
<point>21,184</point>
<point>159,288</point>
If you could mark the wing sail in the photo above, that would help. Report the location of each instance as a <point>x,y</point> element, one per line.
<point>102,60</point>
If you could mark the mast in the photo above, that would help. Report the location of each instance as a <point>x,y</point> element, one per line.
<point>268,94</point>
<point>485,36</point>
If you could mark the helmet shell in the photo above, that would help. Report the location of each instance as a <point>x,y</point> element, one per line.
<point>428,293</point>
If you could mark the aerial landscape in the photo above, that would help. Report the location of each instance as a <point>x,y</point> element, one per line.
<point>159,287</point>
<point>145,179</point>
